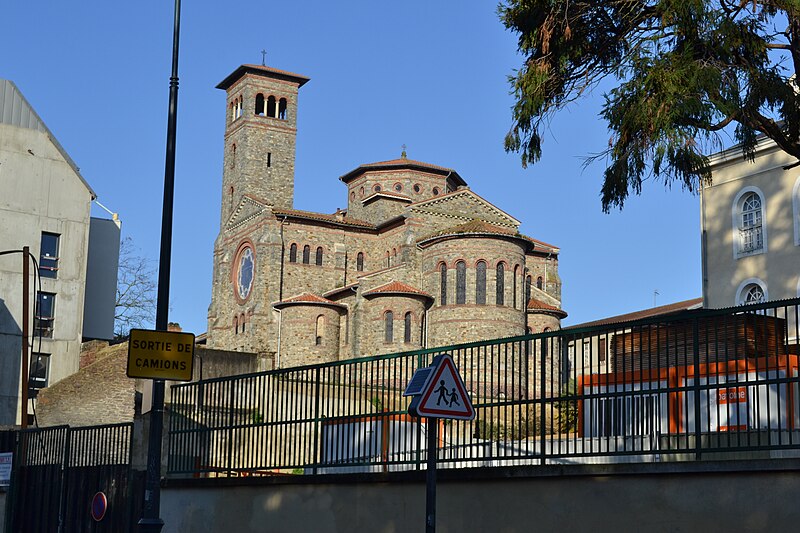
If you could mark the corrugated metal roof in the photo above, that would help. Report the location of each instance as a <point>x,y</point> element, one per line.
<point>15,110</point>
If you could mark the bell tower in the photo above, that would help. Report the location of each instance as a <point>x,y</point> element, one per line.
<point>260,136</point>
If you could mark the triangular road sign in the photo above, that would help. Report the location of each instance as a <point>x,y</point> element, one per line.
<point>445,395</point>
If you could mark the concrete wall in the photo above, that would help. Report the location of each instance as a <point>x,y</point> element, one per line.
<point>721,496</point>
<point>41,192</point>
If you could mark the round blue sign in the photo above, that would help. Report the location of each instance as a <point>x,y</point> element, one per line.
<point>99,506</point>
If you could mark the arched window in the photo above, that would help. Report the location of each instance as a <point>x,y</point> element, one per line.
<point>514,286</point>
<point>528,283</point>
<point>282,109</point>
<point>233,155</point>
<point>318,258</point>
<point>260,105</point>
<point>480,283</point>
<point>242,322</point>
<point>442,284</point>
<point>271,106</point>
<point>360,262</point>
<point>236,325</point>
<point>461,282</point>
<point>388,318</point>
<point>388,258</point>
<point>540,283</point>
<point>751,291</point>
<point>752,238</point>
<point>319,332</point>
<point>306,254</point>
<point>293,253</point>
<point>500,282</point>
<point>407,327</point>
<point>748,223</point>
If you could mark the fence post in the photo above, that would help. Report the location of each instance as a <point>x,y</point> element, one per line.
<point>697,412</point>
<point>542,392</point>
<point>62,504</point>
<point>318,457</point>
<point>230,428</point>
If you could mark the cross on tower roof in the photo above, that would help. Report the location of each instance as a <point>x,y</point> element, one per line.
<point>263,58</point>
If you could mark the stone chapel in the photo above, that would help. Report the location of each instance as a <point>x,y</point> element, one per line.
<point>416,260</point>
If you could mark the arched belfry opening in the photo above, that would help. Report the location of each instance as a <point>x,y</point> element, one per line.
<point>282,106</point>
<point>259,105</point>
<point>271,106</point>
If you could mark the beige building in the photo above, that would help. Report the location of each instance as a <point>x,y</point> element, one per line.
<point>750,218</point>
<point>417,258</point>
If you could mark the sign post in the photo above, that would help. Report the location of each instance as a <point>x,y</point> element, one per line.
<point>437,392</point>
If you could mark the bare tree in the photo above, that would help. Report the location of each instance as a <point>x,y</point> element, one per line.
<point>136,290</point>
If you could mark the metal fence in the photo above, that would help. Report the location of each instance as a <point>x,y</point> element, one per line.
<point>696,384</point>
<point>56,472</point>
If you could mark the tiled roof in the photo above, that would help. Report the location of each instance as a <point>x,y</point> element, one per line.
<point>396,287</point>
<point>243,69</point>
<point>340,289</point>
<point>474,227</point>
<point>403,163</point>
<point>661,310</point>
<point>393,196</point>
<point>305,298</point>
<point>538,305</point>
<point>335,219</point>
<point>541,243</point>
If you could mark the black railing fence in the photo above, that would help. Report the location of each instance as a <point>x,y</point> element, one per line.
<point>57,471</point>
<point>696,384</point>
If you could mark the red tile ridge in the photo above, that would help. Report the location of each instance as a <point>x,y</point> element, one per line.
<point>535,304</point>
<point>396,287</point>
<point>340,218</point>
<point>306,298</point>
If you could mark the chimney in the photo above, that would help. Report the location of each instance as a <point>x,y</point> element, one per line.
<point>174,326</point>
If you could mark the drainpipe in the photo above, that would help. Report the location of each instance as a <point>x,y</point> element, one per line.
<point>283,256</point>
<point>278,353</point>
<point>703,248</point>
<point>425,330</point>
<point>280,297</point>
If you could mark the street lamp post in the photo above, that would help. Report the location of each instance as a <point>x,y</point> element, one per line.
<point>151,521</point>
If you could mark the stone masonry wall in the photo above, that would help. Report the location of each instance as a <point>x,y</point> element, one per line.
<point>373,324</point>
<point>299,328</point>
<point>262,162</point>
<point>364,185</point>
<point>101,393</point>
<point>453,323</point>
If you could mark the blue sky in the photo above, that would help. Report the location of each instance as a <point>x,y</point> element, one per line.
<point>431,75</point>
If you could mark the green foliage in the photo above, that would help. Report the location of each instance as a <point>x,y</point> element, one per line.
<point>568,410</point>
<point>685,70</point>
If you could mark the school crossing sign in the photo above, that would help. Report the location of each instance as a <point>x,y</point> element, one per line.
<point>439,392</point>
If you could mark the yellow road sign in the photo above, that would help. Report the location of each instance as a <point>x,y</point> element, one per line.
<point>160,355</point>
